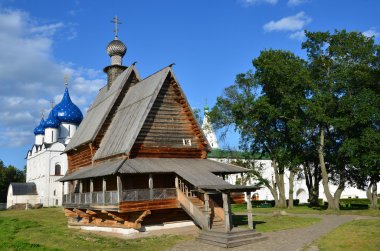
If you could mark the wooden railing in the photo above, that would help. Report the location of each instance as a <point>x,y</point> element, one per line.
<point>97,198</point>
<point>198,216</point>
<point>149,194</point>
<point>111,197</point>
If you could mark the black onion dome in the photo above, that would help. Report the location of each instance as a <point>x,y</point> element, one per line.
<point>116,47</point>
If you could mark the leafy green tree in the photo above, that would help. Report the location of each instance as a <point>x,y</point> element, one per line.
<point>344,105</point>
<point>8,174</point>
<point>268,108</point>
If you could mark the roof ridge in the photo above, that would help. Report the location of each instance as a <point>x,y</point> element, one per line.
<point>151,75</point>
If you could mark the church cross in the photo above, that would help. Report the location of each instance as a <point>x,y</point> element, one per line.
<point>42,113</point>
<point>52,104</point>
<point>66,78</point>
<point>115,20</point>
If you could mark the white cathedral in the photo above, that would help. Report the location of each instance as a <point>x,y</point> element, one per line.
<point>46,162</point>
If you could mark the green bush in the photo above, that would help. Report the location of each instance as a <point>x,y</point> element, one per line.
<point>356,201</point>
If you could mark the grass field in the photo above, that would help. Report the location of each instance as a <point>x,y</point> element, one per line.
<point>359,235</point>
<point>263,223</point>
<point>241,208</point>
<point>46,229</point>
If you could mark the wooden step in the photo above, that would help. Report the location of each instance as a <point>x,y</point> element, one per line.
<point>230,239</point>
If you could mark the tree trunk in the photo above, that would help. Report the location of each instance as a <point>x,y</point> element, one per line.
<point>279,177</point>
<point>372,195</point>
<point>325,178</point>
<point>291,189</point>
<point>369,193</point>
<point>337,195</point>
<point>312,183</point>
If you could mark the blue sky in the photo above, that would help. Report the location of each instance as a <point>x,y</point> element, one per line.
<point>210,41</point>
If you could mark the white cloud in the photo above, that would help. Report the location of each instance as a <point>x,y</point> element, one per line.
<point>247,3</point>
<point>30,77</point>
<point>298,35</point>
<point>291,23</point>
<point>371,32</point>
<point>296,2</point>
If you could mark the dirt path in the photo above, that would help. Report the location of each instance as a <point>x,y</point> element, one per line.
<point>285,240</point>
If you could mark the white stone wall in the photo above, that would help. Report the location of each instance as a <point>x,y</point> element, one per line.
<point>41,171</point>
<point>20,199</point>
<point>300,188</point>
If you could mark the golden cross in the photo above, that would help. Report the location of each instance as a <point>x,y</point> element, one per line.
<point>52,104</point>
<point>115,20</point>
<point>42,113</point>
<point>66,78</point>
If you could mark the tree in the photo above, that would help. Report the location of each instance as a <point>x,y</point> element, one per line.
<point>267,108</point>
<point>344,68</point>
<point>8,174</point>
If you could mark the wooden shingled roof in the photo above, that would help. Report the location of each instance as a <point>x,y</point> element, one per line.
<point>127,121</point>
<point>97,113</point>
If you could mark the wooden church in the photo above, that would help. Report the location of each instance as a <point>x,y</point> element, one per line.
<point>139,158</point>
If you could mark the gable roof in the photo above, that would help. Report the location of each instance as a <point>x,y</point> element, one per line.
<point>28,188</point>
<point>99,110</point>
<point>131,115</point>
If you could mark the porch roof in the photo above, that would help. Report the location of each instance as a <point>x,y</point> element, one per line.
<point>198,172</point>
<point>101,169</point>
<point>165,165</point>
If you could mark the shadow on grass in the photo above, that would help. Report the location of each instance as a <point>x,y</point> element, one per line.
<point>242,220</point>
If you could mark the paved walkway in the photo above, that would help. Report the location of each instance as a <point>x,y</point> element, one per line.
<point>285,240</point>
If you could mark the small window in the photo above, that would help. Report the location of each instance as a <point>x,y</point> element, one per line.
<point>57,169</point>
<point>56,202</point>
<point>52,134</point>
<point>69,131</point>
<point>186,142</point>
<point>55,192</point>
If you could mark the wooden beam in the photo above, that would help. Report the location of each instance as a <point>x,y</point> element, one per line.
<point>227,212</point>
<point>249,209</point>
<point>104,189</point>
<point>119,188</point>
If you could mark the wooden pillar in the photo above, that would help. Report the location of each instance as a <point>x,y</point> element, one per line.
<point>207,202</point>
<point>91,185</point>
<point>151,186</point>
<point>63,193</point>
<point>91,189</point>
<point>227,211</point>
<point>249,209</point>
<point>119,188</point>
<point>104,189</point>
<point>81,186</point>
<point>176,182</point>
<point>208,211</point>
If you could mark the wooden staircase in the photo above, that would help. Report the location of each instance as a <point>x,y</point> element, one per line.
<point>216,233</point>
<point>231,239</point>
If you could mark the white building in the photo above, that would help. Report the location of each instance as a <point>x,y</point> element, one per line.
<point>22,193</point>
<point>46,162</point>
<point>300,188</point>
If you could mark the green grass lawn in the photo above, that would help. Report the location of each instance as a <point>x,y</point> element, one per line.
<point>263,223</point>
<point>241,208</point>
<point>356,235</point>
<point>46,229</point>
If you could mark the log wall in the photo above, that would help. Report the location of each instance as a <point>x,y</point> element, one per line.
<point>135,206</point>
<point>168,123</point>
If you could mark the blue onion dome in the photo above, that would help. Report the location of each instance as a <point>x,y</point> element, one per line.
<point>66,111</point>
<point>52,121</point>
<point>39,130</point>
<point>116,47</point>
